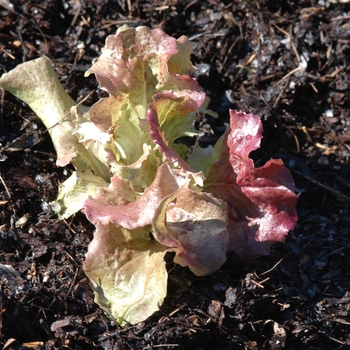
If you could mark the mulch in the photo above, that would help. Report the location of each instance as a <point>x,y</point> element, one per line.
<point>286,61</point>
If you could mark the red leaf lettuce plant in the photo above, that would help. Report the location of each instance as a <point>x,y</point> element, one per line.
<point>146,193</point>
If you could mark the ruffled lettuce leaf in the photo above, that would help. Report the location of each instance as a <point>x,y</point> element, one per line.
<point>119,205</point>
<point>261,201</point>
<point>193,221</point>
<point>127,271</point>
<point>73,192</point>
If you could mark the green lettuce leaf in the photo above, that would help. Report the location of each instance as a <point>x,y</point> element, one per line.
<point>127,271</point>
<point>35,83</point>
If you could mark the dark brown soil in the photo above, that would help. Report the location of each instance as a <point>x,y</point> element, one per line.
<point>286,61</point>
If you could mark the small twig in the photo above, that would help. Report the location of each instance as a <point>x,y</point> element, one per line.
<point>313,87</point>
<point>260,284</point>
<point>332,338</point>
<point>129,8</point>
<point>2,48</point>
<point>190,4</point>
<point>208,34</point>
<point>272,268</point>
<point>72,283</point>
<point>289,74</point>
<point>280,29</point>
<point>335,192</point>
<point>177,310</point>
<point>280,94</point>
<point>295,138</point>
<point>61,120</point>
<point>7,190</point>
<point>343,181</point>
<point>43,36</point>
<point>336,251</point>
<point>295,51</point>
<point>76,15</point>
<point>69,112</point>
<point>300,66</point>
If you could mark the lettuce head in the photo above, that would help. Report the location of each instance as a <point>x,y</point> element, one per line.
<point>146,192</point>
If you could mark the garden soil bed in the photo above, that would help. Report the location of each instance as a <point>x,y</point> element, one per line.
<point>286,61</point>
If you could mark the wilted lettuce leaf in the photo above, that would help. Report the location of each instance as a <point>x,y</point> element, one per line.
<point>145,191</point>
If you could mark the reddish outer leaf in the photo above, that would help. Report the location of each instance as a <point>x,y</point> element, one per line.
<point>196,224</point>
<point>109,204</point>
<point>261,200</point>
